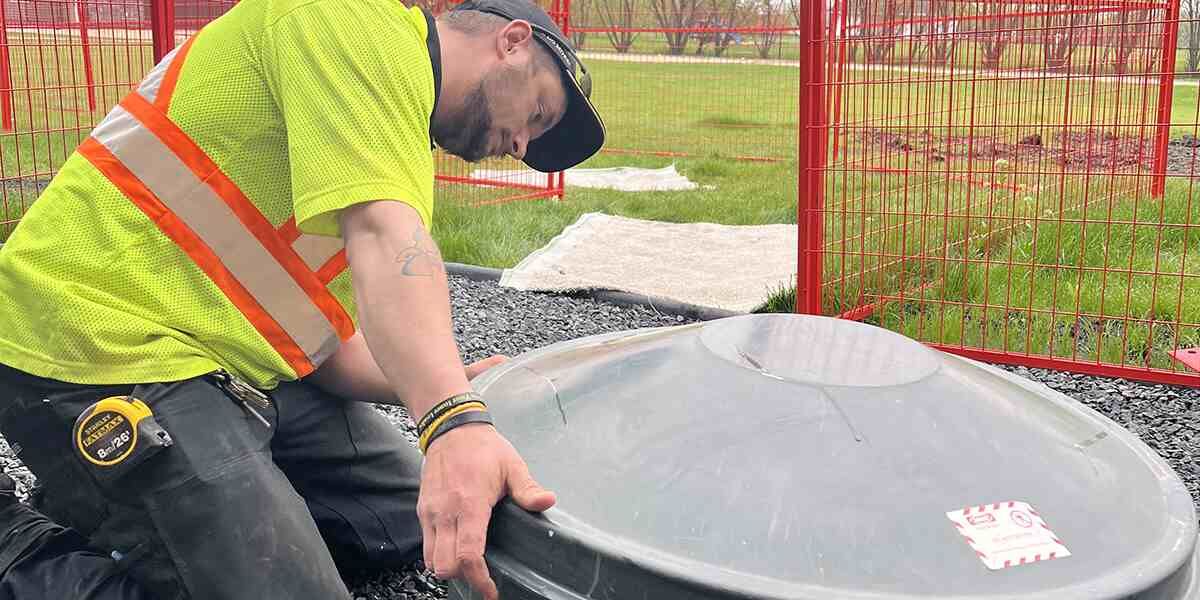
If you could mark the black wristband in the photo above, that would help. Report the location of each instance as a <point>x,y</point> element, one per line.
<point>445,405</point>
<point>474,416</point>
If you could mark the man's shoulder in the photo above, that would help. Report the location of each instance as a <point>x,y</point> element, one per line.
<point>347,13</point>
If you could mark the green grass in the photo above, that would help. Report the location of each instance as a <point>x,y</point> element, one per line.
<point>1115,277</point>
<point>500,236</point>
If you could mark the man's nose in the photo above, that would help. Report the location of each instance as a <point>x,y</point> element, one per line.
<point>519,143</point>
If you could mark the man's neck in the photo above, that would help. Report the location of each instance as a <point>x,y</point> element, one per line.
<point>463,63</point>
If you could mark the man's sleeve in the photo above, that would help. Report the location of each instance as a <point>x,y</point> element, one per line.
<point>353,81</point>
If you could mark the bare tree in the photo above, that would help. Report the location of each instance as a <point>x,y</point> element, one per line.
<point>881,16</point>
<point>1132,29</point>
<point>768,15</point>
<point>581,14</point>
<point>995,34</point>
<point>1190,10</point>
<point>717,19</point>
<point>940,31</point>
<point>1061,35</point>
<point>618,18</point>
<point>677,18</point>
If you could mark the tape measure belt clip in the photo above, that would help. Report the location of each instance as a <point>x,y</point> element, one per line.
<point>116,434</point>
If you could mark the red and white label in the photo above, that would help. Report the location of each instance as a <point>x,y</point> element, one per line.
<point>1007,534</point>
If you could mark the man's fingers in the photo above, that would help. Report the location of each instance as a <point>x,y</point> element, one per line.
<point>428,538</point>
<point>472,538</point>
<point>475,572</point>
<point>526,492</point>
<point>445,566</point>
<point>476,368</point>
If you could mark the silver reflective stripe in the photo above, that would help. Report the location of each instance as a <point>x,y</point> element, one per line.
<point>198,206</point>
<point>316,250</point>
<point>153,81</point>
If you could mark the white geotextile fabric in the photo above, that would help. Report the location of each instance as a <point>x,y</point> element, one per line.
<point>719,266</point>
<point>625,179</point>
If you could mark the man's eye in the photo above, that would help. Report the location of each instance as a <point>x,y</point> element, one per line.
<point>537,117</point>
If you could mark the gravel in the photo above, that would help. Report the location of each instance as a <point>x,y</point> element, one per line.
<point>492,320</point>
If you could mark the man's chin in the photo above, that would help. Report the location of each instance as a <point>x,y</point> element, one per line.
<point>471,157</point>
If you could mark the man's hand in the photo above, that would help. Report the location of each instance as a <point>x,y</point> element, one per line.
<point>477,368</point>
<point>467,471</point>
<point>404,312</point>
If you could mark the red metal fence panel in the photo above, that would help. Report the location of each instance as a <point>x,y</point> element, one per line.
<point>689,78</point>
<point>64,63</point>
<point>1008,180</point>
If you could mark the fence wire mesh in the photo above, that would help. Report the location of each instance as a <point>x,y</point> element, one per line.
<point>62,64</point>
<point>1011,180</point>
<point>693,77</point>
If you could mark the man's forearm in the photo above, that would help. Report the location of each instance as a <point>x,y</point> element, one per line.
<point>403,303</point>
<point>353,374</point>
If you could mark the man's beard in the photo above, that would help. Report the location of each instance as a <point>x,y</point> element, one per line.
<point>465,135</point>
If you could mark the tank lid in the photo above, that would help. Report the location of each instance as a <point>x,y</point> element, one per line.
<point>786,456</point>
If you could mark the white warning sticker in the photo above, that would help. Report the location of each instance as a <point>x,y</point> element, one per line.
<point>1007,534</point>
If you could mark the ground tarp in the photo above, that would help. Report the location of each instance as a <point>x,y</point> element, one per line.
<point>717,266</point>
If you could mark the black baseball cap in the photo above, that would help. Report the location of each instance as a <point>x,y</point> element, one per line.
<point>580,132</point>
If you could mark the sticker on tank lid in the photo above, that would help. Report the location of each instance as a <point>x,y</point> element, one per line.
<point>1007,534</point>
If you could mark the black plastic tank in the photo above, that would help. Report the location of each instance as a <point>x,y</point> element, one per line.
<point>798,457</point>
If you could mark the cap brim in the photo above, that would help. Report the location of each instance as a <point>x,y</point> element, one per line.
<point>578,136</point>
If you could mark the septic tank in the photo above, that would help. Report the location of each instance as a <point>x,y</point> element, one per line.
<point>790,457</point>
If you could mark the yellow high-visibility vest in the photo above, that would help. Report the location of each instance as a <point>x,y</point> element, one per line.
<point>196,227</point>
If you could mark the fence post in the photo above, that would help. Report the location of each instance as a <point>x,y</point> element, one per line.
<point>89,77</point>
<point>6,84</point>
<point>1165,97</point>
<point>162,27</point>
<point>811,158</point>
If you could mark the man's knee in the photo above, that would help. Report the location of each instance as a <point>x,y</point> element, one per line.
<point>213,506</point>
<point>357,471</point>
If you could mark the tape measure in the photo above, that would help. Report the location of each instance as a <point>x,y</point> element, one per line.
<point>118,433</point>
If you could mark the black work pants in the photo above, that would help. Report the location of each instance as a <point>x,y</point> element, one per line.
<point>233,510</point>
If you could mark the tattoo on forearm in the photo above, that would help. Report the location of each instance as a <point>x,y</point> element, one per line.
<point>420,258</point>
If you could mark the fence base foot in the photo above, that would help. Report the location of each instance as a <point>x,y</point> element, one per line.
<point>1189,357</point>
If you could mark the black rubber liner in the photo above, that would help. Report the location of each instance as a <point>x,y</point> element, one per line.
<point>662,305</point>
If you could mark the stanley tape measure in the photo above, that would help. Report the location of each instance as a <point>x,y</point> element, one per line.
<point>118,433</point>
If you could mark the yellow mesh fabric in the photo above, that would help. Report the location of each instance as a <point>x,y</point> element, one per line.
<point>309,106</point>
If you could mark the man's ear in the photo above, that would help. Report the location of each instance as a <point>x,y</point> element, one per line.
<point>513,38</point>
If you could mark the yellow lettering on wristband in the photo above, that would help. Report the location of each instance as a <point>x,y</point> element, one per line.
<point>457,410</point>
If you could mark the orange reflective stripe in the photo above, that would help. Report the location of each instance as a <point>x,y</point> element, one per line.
<point>207,171</point>
<point>200,253</point>
<point>330,270</point>
<point>163,100</point>
<point>210,217</point>
<point>288,231</point>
